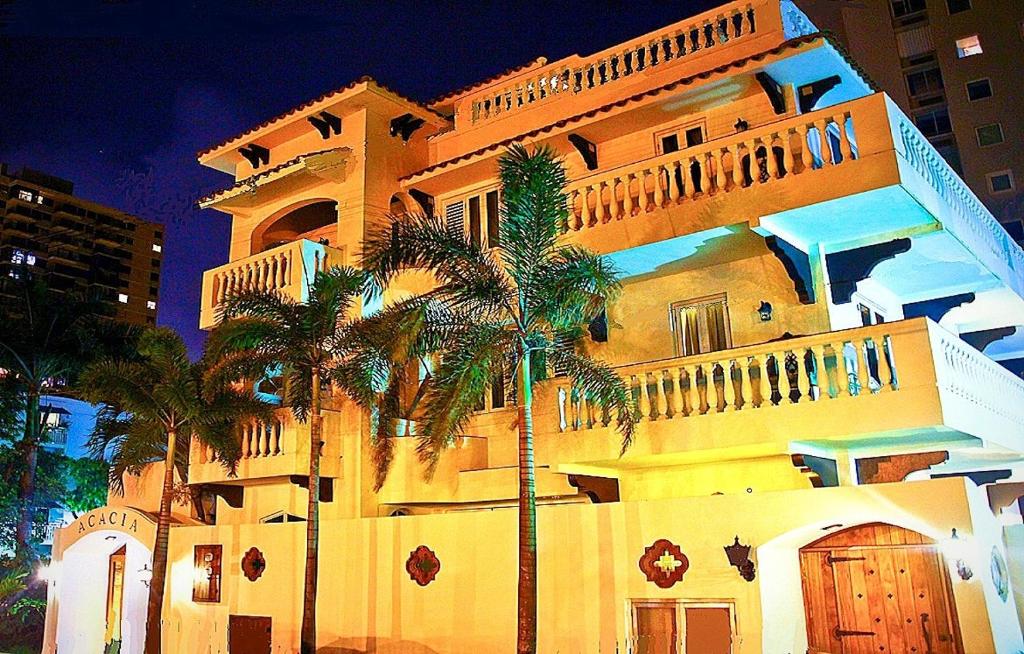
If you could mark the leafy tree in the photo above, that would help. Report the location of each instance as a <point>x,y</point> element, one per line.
<point>86,485</point>
<point>262,330</point>
<point>506,310</point>
<point>47,339</point>
<point>153,403</point>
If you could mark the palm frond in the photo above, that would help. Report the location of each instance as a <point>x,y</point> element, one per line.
<point>602,386</point>
<point>572,287</point>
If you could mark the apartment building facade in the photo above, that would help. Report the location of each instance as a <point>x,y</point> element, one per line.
<point>817,321</point>
<point>952,66</point>
<point>78,245</point>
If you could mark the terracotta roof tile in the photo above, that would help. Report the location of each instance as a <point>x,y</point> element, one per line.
<point>365,79</point>
<point>246,181</point>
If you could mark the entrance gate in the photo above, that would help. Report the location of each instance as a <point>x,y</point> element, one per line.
<point>878,589</point>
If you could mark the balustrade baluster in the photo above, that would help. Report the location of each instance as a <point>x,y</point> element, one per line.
<point>599,212</point>
<point>613,198</point>
<point>764,386</point>
<point>772,164</point>
<point>787,153</point>
<point>728,390</point>
<point>820,385</point>
<point>627,196</point>
<point>673,187</point>
<point>678,410</point>
<point>847,379</point>
<point>783,384</point>
<point>254,439</point>
<point>746,384</point>
<point>806,156</point>
<point>659,192</point>
<point>645,399</point>
<point>755,165</point>
<point>642,202</point>
<point>737,165</point>
<point>584,411</point>
<point>585,207</point>
<point>705,173</point>
<point>863,366</point>
<point>691,397</point>
<point>845,147</point>
<point>688,186</point>
<point>826,142</point>
<point>803,382</point>
<point>721,181</point>
<point>659,379</point>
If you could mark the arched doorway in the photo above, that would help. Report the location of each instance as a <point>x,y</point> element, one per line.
<point>878,589</point>
<point>103,561</point>
<point>315,221</point>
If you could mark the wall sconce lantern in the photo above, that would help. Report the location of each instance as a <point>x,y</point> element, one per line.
<point>739,556</point>
<point>765,311</point>
<point>146,574</point>
<point>957,549</point>
<point>741,125</point>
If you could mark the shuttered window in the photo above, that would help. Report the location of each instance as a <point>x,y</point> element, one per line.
<point>454,213</point>
<point>914,42</point>
<point>477,215</point>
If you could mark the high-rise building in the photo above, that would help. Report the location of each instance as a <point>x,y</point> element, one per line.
<point>79,245</point>
<point>813,316</point>
<point>954,67</point>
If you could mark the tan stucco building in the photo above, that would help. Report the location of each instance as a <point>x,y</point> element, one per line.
<point>814,311</point>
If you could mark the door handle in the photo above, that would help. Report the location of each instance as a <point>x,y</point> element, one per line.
<point>927,636</point>
<point>842,633</point>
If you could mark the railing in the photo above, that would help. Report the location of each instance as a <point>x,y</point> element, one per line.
<point>809,142</point>
<point>258,438</point>
<point>621,62</point>
<point>286,269</point>
<point>43,532</point>
<point>803,370</point>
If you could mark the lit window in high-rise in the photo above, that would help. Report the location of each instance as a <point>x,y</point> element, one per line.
<point>157,248</point>
<point>122,298</point>
<point>24,195</point>
<point>968,46</point>
<point>150,304</point>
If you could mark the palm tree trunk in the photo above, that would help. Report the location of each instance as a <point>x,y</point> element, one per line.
<point>154,608</point>
<point>308,633</point>
<point>527,590</point>
<point>29,450</point>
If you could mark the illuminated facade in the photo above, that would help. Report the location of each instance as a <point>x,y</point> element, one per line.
<point>817,322</point>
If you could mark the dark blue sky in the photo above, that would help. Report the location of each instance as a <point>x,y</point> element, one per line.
<point>119,95</point>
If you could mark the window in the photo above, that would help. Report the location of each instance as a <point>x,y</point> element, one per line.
<point>479,214</point>
<point>674,627</point>
<point>902,8</point>
<point>968,46</point>
<point>956,6</point>
<point>24,195</point>
<point>1001,181</point>
<point>1015,229</point>
<point>869,315</point>
<point>934,122</point>
<point>23,257</point>
<point>991,134</point>
<point>701,325</point>
<point>157,248</point>
<point>673,140</point>
<point>122,298</point>
<point>924,82</point>
<point>206,573</point>
<point>151,305</point>
<point>979,89</point>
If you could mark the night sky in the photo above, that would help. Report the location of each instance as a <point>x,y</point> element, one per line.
<point>118,96</point>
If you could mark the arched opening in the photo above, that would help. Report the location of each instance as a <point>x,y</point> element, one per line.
<point>878,588</point>
<point>102,592</point>
<point>314,221</point>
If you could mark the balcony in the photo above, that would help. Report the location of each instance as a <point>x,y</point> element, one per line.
<point>287,269</point>
<point>910,382</point>
<point>278,447</point>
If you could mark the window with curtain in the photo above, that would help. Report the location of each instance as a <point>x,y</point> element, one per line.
<point>701,325</point>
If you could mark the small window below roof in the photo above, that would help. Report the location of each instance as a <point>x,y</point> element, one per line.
<point>991,134</point>
<point>968,46</point>
<point>1000,181</point>
<point>979,89</point>
<point>956,6</point>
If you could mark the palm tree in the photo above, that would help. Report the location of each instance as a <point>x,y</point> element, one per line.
<point>46,340</point>
<point>261,330</point>
<point>507,310</point>
<point>153,404</point>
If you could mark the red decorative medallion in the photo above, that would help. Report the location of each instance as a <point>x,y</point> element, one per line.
<point>253,564</point>
<point>422,565</point>
<point>664,563</point>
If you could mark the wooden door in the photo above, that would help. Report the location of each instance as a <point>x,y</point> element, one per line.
<point>248,634</point>
<point>115,598</point>
<point>878,598</point>
<point>708,630</point>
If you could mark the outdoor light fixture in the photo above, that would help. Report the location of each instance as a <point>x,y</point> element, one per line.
<point>741,125</point>
<point>739,556</point>
<point>765,311</point>
<point>146,574</point>
<point>957,549</point>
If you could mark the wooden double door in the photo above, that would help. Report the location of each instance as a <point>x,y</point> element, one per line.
<point>878,589</point>
<point>249,634</point>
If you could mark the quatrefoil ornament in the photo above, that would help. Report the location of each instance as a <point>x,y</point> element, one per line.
<point>663,563</point>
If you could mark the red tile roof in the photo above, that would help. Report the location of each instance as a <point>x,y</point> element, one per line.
<point>365,79</point>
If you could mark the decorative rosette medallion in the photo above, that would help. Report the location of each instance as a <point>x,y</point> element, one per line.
<point>253,564</point>
<point>423,565</point>
<point>664,563</point>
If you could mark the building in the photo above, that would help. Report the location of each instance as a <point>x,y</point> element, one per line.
<point>830,455</point>
<point>951,65</point>
<point>79,245</point>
